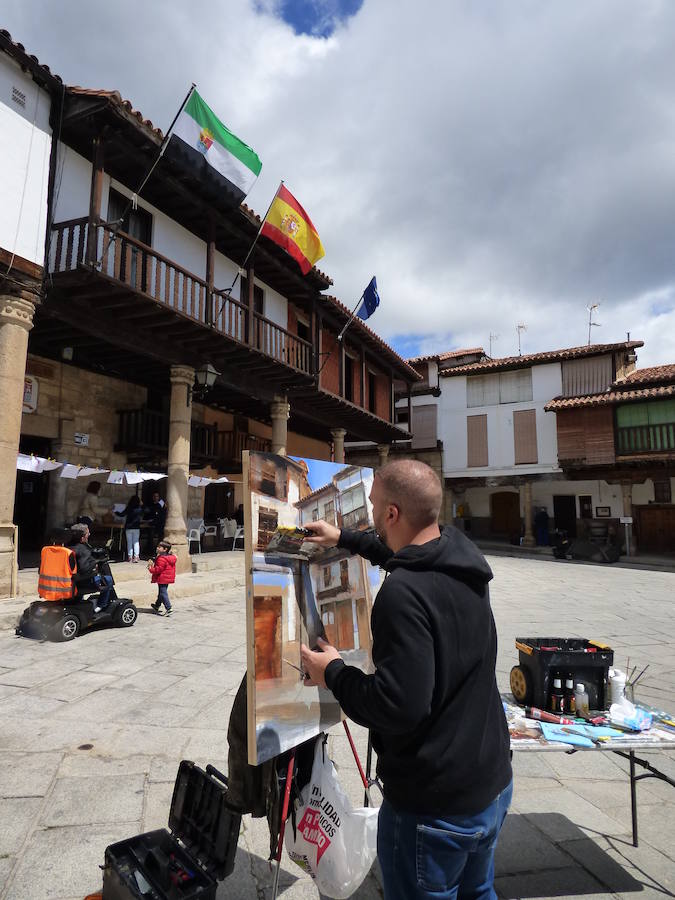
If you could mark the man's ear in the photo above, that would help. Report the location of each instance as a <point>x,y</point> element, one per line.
<point>393,513</point>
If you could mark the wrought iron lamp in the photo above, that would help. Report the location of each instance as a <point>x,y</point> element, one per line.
<point>205,378</point>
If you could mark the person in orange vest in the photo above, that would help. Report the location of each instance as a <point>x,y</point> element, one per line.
<point>58,565</point>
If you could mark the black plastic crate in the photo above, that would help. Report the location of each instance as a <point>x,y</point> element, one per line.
<point>187,862</point>
<point>542,658</point>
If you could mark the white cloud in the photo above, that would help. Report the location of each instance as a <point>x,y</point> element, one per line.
<point>491,163</point>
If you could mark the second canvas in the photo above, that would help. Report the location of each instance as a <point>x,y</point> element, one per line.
<point>298,592</point>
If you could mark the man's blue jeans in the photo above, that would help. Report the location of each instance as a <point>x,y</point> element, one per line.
<point>444,859</point>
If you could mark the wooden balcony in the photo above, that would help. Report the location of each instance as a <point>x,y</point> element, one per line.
<point>645,439</point>
<point>124,261</point>
<point>230,445</point>
<point>144,435</point>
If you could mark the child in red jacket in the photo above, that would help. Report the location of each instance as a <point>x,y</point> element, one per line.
<point>163,571</point>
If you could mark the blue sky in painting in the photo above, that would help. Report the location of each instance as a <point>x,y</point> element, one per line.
<point>320,472</point>
<point>272,579</point>
<point>318,18</point>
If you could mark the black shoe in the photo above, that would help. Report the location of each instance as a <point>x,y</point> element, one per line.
<point>155,606</point>
<point>168,612</point>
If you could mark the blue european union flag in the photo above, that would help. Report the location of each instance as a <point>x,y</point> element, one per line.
<point>371,300</point>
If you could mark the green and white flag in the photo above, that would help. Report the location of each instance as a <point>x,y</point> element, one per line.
<point>201,141</point>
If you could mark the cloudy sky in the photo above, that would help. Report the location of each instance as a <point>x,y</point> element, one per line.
<point>493,163</point>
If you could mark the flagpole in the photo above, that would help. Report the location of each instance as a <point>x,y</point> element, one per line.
<point>133,202</point>
<point>229,290</point>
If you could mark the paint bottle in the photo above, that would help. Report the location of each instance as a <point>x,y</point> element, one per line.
<point>581,701</point>
<point>570,704</point>
<point>557,696</point>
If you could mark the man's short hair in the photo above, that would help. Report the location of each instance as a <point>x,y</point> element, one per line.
<point>414,488</point>
<point>78,531</point>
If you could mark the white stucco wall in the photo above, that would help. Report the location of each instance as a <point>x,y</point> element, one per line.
<point>602,494</point>
<point>453,412</point>
<point>25,145</point>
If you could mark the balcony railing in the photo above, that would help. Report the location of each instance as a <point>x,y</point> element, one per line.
<point>231,444</point>
<point>145,433</point>
<point>128,261</point>
<point>646,438</point>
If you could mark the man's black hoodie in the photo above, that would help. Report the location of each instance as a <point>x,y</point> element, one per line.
<point>437,720</point>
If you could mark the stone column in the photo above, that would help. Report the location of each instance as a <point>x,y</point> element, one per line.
<point>338,435</point>
<point>182,379</point>
<point>16,320</point>
<point>528,539</point>
<point>280,410</point>
<point>382,455</point>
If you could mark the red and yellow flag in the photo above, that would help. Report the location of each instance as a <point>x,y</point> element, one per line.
<point>289,226</point>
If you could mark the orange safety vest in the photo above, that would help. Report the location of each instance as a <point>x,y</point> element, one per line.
<point>55,580</point>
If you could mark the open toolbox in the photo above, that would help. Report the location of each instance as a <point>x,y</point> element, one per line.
<point>187,861</point>
<point>540,659</point>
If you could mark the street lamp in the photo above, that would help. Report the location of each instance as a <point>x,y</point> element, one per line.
<point>205,378</point>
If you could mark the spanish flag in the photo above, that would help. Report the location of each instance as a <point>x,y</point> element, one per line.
<point>289,226</point>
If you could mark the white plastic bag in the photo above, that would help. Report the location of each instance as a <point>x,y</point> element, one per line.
<point>334,843</point>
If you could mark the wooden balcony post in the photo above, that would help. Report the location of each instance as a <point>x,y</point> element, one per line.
<point>95,197</point>
<point>182,379</point>
<point>313,336</point>
<point>250,302</point>
<point>410,409</point>
<point>364,405</point>
<point>210,261</point>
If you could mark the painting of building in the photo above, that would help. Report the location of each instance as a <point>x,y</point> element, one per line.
<point>300,593</point>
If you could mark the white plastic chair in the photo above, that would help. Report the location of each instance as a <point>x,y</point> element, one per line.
<point>195,530</point>
<point>210,531</point>
<point>239,534</point>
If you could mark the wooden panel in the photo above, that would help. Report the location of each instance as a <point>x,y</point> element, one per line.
<point>586,435</point>
<point>581,377</point>
<point>477,441</point>
<point>424,427</point>
<point>345,625</point>
<point>525,436</point>
<point>656,529</point>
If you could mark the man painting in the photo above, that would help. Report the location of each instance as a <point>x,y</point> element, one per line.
<point>433,706</point>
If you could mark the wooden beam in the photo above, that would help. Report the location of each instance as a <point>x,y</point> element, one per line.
<point>95,196</point>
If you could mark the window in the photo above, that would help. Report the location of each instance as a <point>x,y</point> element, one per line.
<point>525,436</point>
<point>401,416</point>
<point>315,514</point>
<point>507,387</point>
<point>353,505</point>
<point>662,493</point>
<point>327,576</point>
<point>329,512</point>
<point>424,427</point>
<point>303,330</point>
<point>372,391</point>
<point>344,574</point>
<point>585,507</point>
<point>477,442</point>
<point>137,223</point>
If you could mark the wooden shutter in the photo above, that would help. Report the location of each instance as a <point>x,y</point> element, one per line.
<point>424,427</point>
<point>525,436</point>
<point>476,439</point>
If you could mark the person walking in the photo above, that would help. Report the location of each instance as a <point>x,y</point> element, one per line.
<point>433,706</point>
<point>133,513</point>
<point>163,571</point>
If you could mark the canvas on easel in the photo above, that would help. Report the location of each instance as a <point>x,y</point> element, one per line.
<point>297,592</point>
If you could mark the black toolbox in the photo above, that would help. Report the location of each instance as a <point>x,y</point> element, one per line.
<point>542,658</point>
<point>188,861</point>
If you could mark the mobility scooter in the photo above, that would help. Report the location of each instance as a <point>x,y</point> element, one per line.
<point>64,619</point>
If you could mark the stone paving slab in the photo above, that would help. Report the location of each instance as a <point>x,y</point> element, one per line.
<point>92,732</point>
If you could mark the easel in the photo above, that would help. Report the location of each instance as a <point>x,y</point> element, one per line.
<point>367,784</point>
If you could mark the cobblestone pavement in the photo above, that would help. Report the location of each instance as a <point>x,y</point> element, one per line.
<point>91,733</point>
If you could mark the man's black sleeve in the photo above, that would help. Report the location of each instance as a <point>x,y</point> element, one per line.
<point>366,544</point>
<point>397,697</point>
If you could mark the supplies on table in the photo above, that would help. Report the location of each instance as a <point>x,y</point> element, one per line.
<point>630,716</point>
<point>542,661</point>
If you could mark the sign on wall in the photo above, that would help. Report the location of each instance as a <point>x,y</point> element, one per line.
<point>30,394</point>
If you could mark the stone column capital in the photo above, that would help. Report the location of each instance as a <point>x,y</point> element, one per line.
<point>182,375</point>
<point>338,434</point>
<point>280,408</point>
<point>16,311</point>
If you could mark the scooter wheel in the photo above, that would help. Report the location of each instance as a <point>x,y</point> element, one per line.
<point>67,628</point>
<point>126,617</point>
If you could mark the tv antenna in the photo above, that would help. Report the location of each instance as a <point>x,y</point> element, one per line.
<point>591,323</point>
<point>493,338</point>
<point>520,328</point>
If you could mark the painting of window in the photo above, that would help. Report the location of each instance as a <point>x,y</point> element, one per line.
<point>298,592</point>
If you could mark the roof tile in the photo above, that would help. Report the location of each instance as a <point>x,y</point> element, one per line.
<point>513,362</point>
